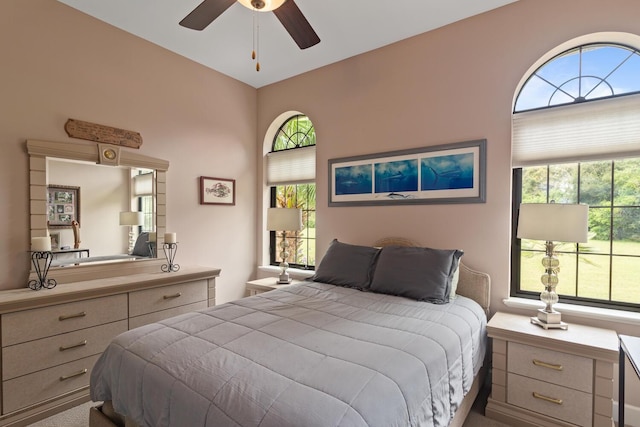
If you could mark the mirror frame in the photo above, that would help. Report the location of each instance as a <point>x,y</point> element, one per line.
<point>39,151</point>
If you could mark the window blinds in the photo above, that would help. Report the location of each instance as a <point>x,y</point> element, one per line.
<point>294,166</point>
<point>594,130</point>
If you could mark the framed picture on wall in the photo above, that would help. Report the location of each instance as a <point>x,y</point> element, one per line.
<point>441,174</point>
<point>217,191</point>
<point>63,206</point>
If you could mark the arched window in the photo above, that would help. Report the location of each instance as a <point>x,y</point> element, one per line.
<point>576,139</point>
<point>291,176</point>
<point>584,73</point>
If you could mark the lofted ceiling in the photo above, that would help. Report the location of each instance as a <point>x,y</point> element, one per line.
<point>346,28</point>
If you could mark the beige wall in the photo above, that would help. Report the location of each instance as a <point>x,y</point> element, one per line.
<point>453,84</point>
<point>57,63</point>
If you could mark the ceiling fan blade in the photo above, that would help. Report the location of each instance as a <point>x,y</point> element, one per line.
<point>205,13</point>
<point>296,24</point>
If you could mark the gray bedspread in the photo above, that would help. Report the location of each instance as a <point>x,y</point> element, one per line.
<point>307,355</point>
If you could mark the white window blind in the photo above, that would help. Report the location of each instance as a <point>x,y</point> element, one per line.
<point>594,130</point>
<point>295,166</point>
<point>143,184</point>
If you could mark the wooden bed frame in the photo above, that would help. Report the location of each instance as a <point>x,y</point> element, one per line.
<point>472,284</point>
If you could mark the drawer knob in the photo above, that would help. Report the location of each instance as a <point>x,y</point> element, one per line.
<point>72,316</point>
<point>176,295</point>
<point>547,365</point>
<point>69,347</point>
<point>547,398</point>
<point>77,374</point>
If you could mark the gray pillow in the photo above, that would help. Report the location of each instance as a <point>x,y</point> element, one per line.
<point>423,274</point>
<point>141,247</point>
<point>347,265</point>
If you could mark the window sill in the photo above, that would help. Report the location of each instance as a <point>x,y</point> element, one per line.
<point>607,314</point>
<point>293,272</point>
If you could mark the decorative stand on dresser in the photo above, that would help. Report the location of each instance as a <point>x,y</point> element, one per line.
<point>52,337</point>
<point>545,378</point>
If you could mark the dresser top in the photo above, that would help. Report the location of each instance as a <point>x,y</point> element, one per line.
<point>25,298</point>
<point>578,339</point>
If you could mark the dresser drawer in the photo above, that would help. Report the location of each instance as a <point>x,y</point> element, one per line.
<point>42,385</point>
<point>551,366</point>
<point>166,297</point>
<point>57,319</point>
<point>563,403</point>
<point>22,359</point>
<point>156,316</point>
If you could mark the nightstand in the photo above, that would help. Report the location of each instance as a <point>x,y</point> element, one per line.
<point>551,377</point>
<point>258,286</point>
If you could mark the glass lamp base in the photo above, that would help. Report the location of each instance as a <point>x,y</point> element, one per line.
<point>552,316</point>
<point>284,278</point>
<point>548,320</point>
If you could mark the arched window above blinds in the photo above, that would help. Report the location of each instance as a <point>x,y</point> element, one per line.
<point>292,159</point>
<point>583,104</point>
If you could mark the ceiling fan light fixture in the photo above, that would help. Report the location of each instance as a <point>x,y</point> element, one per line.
<point>262,5</point>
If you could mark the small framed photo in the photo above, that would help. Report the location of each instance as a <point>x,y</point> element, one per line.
<point>63,206</point>
<point>217,191</point>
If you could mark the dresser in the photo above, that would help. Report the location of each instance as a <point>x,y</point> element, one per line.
<point>51,338</point>
<point>545,378</point>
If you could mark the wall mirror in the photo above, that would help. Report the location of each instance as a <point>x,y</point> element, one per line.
<point>111,180</point>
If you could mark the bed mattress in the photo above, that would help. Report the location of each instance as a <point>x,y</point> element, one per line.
<point>310,354</point>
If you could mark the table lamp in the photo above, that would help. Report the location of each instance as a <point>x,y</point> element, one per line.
<point>552,222</point>
<point>283,220</point>
<point>131,219</point>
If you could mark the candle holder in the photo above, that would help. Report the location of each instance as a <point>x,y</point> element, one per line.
<point>170,250</point>
<point>41,263</point>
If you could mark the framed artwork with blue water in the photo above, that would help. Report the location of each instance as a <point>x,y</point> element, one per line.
<point>449,173</point>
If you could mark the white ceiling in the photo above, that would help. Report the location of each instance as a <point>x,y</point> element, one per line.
<point>346,28</point>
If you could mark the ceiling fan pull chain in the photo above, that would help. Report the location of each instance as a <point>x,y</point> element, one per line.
<point>253,27</point>
<point>257,41</point>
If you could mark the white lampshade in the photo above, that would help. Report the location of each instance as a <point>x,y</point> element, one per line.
<point>284,219</point>
<point>269,5</point>
<point>554,222</point>
<point>143,184</point>
<point>131,218</point>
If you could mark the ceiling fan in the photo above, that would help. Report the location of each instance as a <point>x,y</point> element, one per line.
<point>286,11</point>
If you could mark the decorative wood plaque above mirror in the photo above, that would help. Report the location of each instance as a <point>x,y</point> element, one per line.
<point>101,133</point>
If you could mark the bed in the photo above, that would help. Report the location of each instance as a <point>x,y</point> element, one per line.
<point>311,354</point>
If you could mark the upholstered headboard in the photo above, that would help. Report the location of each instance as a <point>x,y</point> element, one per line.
<point>472,284</point>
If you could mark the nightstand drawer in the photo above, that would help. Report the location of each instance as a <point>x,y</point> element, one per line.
<point>258,286</point>
<point>565,404</point>
<point>551,366</point>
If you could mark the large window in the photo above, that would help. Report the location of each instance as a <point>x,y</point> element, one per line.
<point>292,169</point>
<point>576,140</point>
